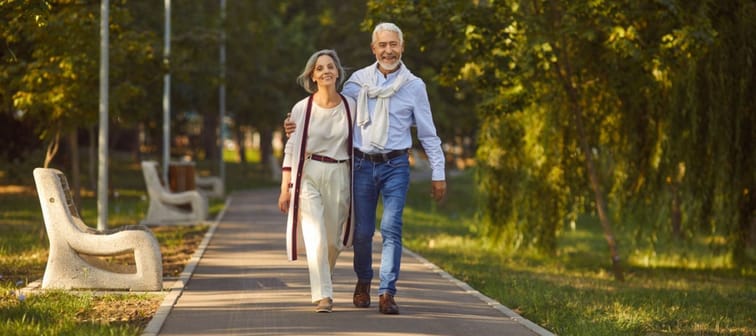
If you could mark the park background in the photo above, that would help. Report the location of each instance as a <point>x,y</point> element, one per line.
<point>605,147</point>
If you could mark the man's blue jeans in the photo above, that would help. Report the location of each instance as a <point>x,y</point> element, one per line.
<point>390,181</point>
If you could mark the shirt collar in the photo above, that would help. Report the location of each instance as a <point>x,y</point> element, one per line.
<point>379,74</point>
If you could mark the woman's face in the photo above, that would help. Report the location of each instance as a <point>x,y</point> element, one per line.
<point>325,72</point>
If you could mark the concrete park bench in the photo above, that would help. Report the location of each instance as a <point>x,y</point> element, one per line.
<point>210,186</point>
<point>75,247</point>
<point>167,207</point>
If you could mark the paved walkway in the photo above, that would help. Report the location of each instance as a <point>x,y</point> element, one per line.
<point>244,285</point>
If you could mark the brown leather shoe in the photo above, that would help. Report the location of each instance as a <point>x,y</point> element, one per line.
<point>361,297</point>
<point>387,305</point>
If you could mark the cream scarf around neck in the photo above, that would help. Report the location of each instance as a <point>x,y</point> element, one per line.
<point>375,130</point>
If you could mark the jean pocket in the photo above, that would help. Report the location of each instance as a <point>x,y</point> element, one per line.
<point>357,163</point>
<point>397,162</point>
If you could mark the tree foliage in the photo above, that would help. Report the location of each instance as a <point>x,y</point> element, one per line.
<point>51,61</point>
<point>645,94</point>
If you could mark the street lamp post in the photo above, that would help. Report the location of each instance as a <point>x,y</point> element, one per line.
<point>102,171</point>
<point>167,92</point>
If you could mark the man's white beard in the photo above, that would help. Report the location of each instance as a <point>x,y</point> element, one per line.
<point>390,66</point>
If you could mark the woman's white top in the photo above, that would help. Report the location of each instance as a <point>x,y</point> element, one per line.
<point>328,127</point>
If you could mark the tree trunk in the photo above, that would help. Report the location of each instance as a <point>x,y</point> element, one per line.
<point>601,205</point>
<point>266,147</point>
<point>564,74</point>
<point>92,159</point>
<point>140,142</point>
<point>52,149</point>
<point>676,207</point>
<point>242,148</point>
<point>745,228</point>
<point>676,212</point>
<point>211,137</point>
<point>73,144</point>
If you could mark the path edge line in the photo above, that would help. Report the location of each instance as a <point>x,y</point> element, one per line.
<point>156,323</point>
<point>491,302</point>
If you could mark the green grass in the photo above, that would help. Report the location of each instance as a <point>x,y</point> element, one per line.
<point>679,290</point>
<point>23,247</point>
<point>55,313</point>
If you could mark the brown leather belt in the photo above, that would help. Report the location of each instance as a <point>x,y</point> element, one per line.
<point>381,157</point>
<point>325,159</point>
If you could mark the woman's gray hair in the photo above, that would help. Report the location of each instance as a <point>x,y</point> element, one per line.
<point>305,78</point>
<point>389,27</point>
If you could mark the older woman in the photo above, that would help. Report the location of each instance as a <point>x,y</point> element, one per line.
<point>317,175</point>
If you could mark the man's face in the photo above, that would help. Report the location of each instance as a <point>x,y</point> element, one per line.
<point>387,50</point>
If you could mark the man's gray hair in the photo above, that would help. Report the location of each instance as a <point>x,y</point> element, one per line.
<point>305,78</point>
<point>387,26</point>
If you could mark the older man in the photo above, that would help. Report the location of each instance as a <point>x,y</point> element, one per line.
<point>390,100</point>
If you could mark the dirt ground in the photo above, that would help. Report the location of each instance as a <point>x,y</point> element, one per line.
<point>138,311</point>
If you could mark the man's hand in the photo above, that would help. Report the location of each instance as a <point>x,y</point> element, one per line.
<point>289,125</point>
<point>438,190</point>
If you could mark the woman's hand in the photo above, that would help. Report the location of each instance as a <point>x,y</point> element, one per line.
<point>283,201</point>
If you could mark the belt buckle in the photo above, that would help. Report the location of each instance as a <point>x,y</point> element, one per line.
<point>386,156</point>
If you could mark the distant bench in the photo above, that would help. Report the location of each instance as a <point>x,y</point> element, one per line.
<point>210,186</point>
<point>167,207</point>
<point>74,246</point>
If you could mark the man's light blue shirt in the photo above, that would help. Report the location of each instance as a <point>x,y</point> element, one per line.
<point>408,107</point>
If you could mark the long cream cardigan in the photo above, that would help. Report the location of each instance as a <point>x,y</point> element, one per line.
<point>295,160</point>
